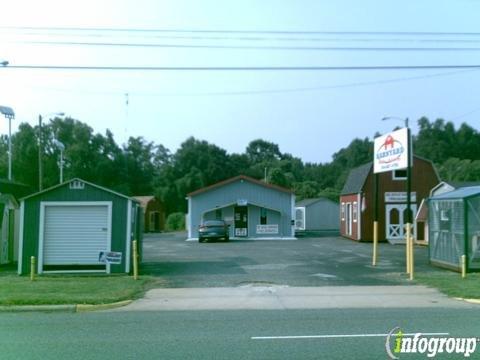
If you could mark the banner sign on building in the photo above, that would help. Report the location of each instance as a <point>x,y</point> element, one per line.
<point>267,229</point>
<point>391,151</point>
<point>399,197</point>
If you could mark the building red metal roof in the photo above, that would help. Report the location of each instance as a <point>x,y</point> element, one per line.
<point>240,177</point>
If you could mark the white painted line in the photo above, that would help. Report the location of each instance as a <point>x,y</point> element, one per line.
<point>339,336</point>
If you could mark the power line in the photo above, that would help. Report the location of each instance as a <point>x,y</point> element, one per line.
<point>465,114</point>
<point>243,68</point>
<point>255,38</point>
<point>266,91</point>
<point>236,31</point>
<point>310,48</point>
<point>313,88</point>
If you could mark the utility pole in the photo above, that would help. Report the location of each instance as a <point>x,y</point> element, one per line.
<point>40,165</point>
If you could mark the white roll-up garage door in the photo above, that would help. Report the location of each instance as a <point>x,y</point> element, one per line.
<point>75,235</point>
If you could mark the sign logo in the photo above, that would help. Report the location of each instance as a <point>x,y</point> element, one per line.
<point>110,257</point>
<point>391,151</point>
<point>398,343</point>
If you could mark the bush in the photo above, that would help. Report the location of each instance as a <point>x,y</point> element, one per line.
<point>175,221</point>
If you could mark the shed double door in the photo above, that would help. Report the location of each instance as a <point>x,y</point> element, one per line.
<point>396,220</point>
<point>75,234</point>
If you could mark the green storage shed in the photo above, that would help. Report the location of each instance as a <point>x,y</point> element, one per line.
<point>68,226</point>
<point>454,228</point>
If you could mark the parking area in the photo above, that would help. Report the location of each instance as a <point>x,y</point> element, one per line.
<point>321,261</point>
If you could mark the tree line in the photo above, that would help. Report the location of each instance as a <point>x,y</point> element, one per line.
<point>140,167</point>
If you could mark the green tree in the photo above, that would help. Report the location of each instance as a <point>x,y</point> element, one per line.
<point>306,189</point>
<point>262,151</point>
<point>454,169</point>
<point>175,221</point>
<point>277,177</point>
<point>139,156</point>
<point>25,156</point>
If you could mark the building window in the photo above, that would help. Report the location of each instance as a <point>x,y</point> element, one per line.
<point>218,214</point>
<point>444,215</point>
<point>354,211</point>
<point>342,211</point>
<point>399,174</point>
<point>263,216</point>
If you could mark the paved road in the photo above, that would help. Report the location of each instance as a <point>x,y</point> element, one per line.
<point>327,261</point>
<point>223,334</point>
<point>284,297</point>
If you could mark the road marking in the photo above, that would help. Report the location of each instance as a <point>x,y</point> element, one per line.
<point>338,336</point>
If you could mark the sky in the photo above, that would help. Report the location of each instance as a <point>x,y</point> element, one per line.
<point>309,113</point>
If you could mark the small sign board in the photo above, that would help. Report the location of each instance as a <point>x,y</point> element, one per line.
<point>399,197</point>
<point>242,202</point>
<point>110,257</point>
<point>240,231</point>
<point>391,151</point>
<point>267,229</point>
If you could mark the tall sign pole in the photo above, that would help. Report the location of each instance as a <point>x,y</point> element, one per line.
<point>392,152</point>
<point>375,219</point>
<point>409,202</point>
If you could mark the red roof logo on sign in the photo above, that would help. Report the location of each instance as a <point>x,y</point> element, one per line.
<point>390,151</point>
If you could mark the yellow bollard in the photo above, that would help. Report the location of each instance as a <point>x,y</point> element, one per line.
<point>407,251</point>
<point>375,242</point>
<point>135,260</point>
<point>412,257</point>
<point>32,268</point>
<point>464,266</point>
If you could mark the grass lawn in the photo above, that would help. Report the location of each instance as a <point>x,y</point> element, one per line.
<point>451,283</point>
<point>70,289</point>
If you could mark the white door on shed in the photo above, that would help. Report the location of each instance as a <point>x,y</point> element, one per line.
<point>75,235</point>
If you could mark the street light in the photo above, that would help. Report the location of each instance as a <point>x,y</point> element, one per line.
<point>9,114</point>
<point>409,244</point>
<point>396,118</point>
<point>40,151</point>
<point>61,146</point>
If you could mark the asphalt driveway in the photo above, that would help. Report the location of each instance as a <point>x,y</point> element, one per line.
<point>325,261</point>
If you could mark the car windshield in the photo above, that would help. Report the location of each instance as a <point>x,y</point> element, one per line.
<point>214,223</point>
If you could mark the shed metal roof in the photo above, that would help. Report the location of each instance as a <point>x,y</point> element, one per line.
<point>18,190</point>
<point>459,193</point>
<point>78,179</point>
<point>236,178</point>
<point>307,202</point>
<point>356,179</point>
<point>462,184</point>
<point>144,200</point>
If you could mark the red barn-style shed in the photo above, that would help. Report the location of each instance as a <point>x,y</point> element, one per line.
<point>154,212</point>
<point>357,201</point>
